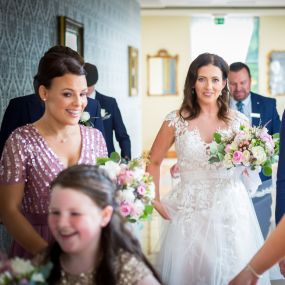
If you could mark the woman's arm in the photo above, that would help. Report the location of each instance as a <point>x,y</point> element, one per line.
<point>271,252</point>
<point>162,143</point>
<point>17,225</point>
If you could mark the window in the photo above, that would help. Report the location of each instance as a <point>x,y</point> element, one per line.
<point>234,40</point>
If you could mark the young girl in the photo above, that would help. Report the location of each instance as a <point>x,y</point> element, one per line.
<point>92,245</point>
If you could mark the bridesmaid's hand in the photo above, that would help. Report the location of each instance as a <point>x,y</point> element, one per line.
<point>245,277</point>
<point>282,267</point>
<point>161,209</point>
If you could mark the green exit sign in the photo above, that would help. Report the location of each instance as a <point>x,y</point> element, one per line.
<point>219,20</point>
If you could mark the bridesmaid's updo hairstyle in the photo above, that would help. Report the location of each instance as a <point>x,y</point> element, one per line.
<point>56,62</point>
<point>98,186</point>
<point>190,103</point>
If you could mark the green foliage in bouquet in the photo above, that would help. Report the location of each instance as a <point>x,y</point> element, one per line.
<point>249,146</point>
<point>19,271</point>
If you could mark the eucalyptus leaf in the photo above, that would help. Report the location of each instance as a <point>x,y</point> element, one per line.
<point>114,156</point>
<point>217,137</point>
<point>213,148</point>
<point>214,159</point>
<point>267,171</point>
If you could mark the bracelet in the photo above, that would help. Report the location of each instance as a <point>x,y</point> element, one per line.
<point>250,268</point>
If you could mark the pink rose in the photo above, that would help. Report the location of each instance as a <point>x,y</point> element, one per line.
<point>228,148</point>
<point>237,157</point>
<point>121,179</point>
<point>141,190</point>
<point>125,209</point>
<point>265,137</point>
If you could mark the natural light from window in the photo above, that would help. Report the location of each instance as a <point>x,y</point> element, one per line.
<point>229,40</point>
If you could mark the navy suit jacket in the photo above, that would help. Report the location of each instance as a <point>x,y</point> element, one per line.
<point>113,122</point>
<point>280,185</point>
<point>28,109</point>
<point>266,108</point>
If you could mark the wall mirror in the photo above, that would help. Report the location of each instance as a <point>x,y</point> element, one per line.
<point>162,74</point>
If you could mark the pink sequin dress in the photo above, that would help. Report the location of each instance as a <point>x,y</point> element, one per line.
<point>28,158</point>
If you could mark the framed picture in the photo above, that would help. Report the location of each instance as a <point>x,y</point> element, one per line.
<point>133,70</point>
<point>70,34</point>
<point>276,73</point>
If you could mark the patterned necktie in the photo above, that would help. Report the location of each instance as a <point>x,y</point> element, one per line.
<point>240,106</point>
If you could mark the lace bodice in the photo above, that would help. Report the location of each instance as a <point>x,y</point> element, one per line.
<point>193,152</point>
<point>213,230</point>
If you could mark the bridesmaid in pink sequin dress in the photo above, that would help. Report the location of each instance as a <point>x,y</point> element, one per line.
<point>34,154</point>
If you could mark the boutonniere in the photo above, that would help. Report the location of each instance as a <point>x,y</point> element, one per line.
<point>85,119</point>
<point>104,114</point>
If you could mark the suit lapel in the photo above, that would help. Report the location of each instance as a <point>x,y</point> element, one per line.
<point>255,109</point>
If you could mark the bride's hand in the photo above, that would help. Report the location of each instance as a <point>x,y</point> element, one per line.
<point>161,209</point>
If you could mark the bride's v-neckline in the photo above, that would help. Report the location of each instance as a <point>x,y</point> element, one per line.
<point>197,132</point>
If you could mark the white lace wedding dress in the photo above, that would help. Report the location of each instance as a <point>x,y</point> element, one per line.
<point>213,232</point>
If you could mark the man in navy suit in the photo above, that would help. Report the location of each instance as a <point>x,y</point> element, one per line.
<point>280,190</point>
<point>262,111</point>
<point>259,109</point>
<point>28,109</point>
<point>111,115</point>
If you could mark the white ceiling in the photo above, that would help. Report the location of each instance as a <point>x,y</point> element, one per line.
<point>211,3</point>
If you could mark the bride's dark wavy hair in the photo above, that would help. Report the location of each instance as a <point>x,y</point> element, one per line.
<point>190,103</point>
<point>96,184</point>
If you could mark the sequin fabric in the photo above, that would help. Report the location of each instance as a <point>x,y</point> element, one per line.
<point>130,271</point>
<point>27,158</point>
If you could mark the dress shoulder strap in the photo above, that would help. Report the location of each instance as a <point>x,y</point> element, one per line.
<point>177,122</point>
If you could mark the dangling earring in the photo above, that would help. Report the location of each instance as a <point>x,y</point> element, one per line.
<point>193,92</point>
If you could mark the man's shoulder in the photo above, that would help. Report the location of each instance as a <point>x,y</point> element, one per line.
<point>255,96</point>
<point>25,99</point>
<point>92,101</point>
<point>105,98</point>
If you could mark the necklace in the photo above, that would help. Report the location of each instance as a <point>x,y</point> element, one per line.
<point>77,279</point>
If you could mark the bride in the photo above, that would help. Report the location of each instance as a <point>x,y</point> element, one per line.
<point>212,230</point>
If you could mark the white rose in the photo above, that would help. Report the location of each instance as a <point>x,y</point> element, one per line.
<point>37,277</point>
<point>85,116</point>
<point>21,266</point>
<point>138,173</point>
<point>112,168</point>
<point>259,153</point>
<point>138,207</point>
<point>228,161</point>
<point>233,146</point>
<point>127,195</point>
<point>246,157</point>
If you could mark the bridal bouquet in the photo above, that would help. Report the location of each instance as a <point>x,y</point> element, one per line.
<point>249,146</point>
<point>135,186</point>
<point>18,271</point>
